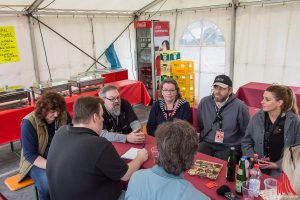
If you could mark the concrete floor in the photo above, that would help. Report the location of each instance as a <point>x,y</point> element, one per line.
<point>9,162</point>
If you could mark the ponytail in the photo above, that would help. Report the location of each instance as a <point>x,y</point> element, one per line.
<point>292,104</point>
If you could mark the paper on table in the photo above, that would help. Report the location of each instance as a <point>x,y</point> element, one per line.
<point>130,154</point>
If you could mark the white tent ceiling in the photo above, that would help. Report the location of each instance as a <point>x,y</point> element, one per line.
<point>116,5</point>
<point>128,5</point>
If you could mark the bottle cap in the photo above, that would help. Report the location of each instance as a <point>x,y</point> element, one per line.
<point>256,166</point>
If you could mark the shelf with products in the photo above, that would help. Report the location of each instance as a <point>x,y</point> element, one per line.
<point>145,42</point>
<point>150,36</point>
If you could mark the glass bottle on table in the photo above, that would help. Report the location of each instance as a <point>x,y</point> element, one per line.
<point>240,177</point>
<point>230,173</point>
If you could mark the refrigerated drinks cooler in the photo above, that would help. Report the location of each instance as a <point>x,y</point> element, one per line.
<point>148,57</point>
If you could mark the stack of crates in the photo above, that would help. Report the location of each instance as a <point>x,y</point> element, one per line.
<point>183,72</point>
<point>166,57</point>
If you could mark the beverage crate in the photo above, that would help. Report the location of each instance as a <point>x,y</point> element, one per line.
<point>165,68</point>
<point>187,92</point>
<point>163,77</point>
<point>184,80</point>
<point>182,67</point>
<point>190,99</point>
<point>169,55</point>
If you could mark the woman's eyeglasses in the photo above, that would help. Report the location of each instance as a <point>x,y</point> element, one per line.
<point>292,154</point>
<point>172,91</point>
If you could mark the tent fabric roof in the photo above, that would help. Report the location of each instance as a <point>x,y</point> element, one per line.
<point>115,7</point>
<point>104,5</point>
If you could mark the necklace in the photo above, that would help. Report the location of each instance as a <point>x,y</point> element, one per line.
<point>169,113</point>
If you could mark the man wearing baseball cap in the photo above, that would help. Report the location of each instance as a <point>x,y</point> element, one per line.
<point>222,120</point>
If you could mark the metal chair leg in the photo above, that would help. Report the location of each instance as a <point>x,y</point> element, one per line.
<point>36,193</point>
<point>12,148</point>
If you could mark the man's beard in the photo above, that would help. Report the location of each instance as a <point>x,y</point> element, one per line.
<point>220,99</point>
<point>116,110</point>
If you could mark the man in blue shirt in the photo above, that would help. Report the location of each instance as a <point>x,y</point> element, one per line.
<point>177,145</point>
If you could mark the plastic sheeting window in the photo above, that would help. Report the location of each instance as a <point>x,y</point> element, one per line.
<point>203,42</point>
<point>202,33</point>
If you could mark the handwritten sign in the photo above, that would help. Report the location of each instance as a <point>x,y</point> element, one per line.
<point>8,45</point>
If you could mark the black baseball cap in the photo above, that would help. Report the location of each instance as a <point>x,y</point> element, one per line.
<point>223,81</point>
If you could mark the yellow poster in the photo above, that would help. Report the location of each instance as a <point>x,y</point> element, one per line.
<point>8,45</point>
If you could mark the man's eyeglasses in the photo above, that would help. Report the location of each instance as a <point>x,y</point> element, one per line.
<point>113,99</point>
<point>172,91</point>
<point>292,155</point>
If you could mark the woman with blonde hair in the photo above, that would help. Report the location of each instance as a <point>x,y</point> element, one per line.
<point>273,128</point>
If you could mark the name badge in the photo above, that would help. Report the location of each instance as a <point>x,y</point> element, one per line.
<point>219,136</point>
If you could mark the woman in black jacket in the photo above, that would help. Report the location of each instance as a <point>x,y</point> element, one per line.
<point>171,106</point>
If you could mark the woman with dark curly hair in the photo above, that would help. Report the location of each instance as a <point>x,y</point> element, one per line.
<point>170,107</point>
<point>177,144</point>
<point>37,131</point>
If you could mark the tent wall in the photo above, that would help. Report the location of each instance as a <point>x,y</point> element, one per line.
<point>268,44</point>
<point>22,72</point>
<point>65,60</point>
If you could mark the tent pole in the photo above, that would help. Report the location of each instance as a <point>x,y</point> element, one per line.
<point>93,39</point>
<point>34,52</point>
<point>147,7</point>
<point>192,9</point>
<point>266,3</point>
<point>34,6</point>
<point>175,29</point>
<point>232,38</point>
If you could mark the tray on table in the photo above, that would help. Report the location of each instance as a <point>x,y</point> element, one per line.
<point>205,169</point>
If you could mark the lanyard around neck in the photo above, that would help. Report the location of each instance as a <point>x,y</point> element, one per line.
<point>169,115</point>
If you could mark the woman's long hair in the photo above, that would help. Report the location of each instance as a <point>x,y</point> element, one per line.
<point>285,94</point>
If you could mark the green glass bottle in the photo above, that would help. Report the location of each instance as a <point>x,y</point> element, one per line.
<point>240,177</point>
<point>230,173</point>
